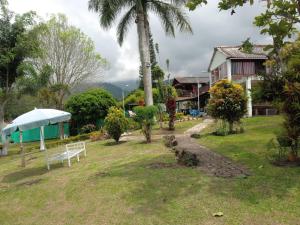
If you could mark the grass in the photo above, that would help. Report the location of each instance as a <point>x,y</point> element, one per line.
<point>116,184</point>
<point>180,127</point>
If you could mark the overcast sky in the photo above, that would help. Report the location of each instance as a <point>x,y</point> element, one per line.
<point>189,54</point>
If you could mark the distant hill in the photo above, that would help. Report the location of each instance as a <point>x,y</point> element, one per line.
<point>115,88</point>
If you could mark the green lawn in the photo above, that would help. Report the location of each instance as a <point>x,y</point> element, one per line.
<point>180,127</point>
<point>116,184</point>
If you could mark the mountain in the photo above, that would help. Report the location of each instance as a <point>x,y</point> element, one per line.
<point>115,88</point>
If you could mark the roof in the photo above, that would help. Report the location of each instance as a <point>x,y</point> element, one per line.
<point>191,80</point>
<point>235,52</point>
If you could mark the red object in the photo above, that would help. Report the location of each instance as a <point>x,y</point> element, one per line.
<point>141,103</point>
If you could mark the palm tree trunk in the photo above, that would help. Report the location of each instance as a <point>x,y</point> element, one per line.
<point>142,29</point>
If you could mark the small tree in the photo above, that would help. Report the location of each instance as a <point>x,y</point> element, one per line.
<point>228,102</point>
<point>90,106</point>
<point>169,95</point>
<point>116,123</point>
<point>290,55</point>
<point>145,117</point>
<point>171,109</point>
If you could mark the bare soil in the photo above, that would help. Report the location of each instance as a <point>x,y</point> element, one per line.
<point>211,162</point>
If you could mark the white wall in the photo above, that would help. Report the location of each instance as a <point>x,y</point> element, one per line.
<point>218,59</point>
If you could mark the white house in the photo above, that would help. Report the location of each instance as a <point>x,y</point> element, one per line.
<point>232,63</point>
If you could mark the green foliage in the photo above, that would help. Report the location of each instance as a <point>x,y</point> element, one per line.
<point>16,44</point>
<point>290,54</point>
<point>247,46</point>
<point>279,20</point>
<point>132,124</point>
<point>19,105</point>
<point>169,12</point>
<point>145,117</point>
<point>135,97</point>
<point>179,116</point>
<point>157,74</point>
<point>88,128</point>
<point>192,4</point>
<point>89,106</point>
<point>116,123</point>
<point>228,102</point>
<point>32,80</point>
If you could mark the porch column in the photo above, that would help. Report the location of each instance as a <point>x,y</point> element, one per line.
<point>248,91</point>
<point>229,75</point>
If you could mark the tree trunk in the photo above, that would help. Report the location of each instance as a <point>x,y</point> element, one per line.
<point>1,116</point>
<point>142,29</point>
<point>60,106</point>
<point>148,133</point>
<point>230,127</point>
<point>61,131</point>
<point>22,151</point>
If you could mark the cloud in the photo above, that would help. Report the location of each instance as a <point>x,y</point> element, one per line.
<point>189,54</point>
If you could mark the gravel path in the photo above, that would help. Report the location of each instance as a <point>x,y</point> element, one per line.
<point>199,127</point>
<point>209,161</point>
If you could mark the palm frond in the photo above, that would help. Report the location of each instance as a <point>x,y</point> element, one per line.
<point>123,26</point>
<point>171,15</point>
<point>165,16</point>
<point>108,10</point>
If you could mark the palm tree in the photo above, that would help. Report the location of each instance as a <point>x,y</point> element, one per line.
<point>169,12</point>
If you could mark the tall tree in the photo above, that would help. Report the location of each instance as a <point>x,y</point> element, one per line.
<point>156,72</point>
<point>69,53</point>
<point>138,11</point>
<point>15,45</point>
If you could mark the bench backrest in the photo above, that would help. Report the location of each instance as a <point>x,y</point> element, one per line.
<point>76,146</point>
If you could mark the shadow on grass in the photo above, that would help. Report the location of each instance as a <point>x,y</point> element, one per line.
<point>152,187</point>
<point>113,143</point>
<point>24,173</point>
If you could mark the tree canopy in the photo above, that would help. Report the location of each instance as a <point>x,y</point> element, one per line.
<point>69,53</point>
<point>16,44</point>
<point>90,106</point>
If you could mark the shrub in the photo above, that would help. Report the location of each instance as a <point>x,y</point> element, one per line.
<point>135,97</point>
<point>179,116</point>
<point>145,117</point>
<point>116,123</point>
<point>132,124</point>
<point>228,102</point>
<point>87,128</point>
<point>98,135</point>
<point>89,106</point>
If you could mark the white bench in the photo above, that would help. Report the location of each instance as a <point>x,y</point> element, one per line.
<point>72,150</point>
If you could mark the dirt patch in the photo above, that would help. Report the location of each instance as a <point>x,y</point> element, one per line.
<point>102,174</point>
<point>4,186</point>
<point>286,163</point>
<point>208,161</point>
<point>30,182</point>
<point>160,165</point>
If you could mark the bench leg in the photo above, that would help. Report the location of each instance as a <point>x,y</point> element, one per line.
<point>48,165</point>
<point>69,162</point>
<point>84,153</point>
<point>77,157</point>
